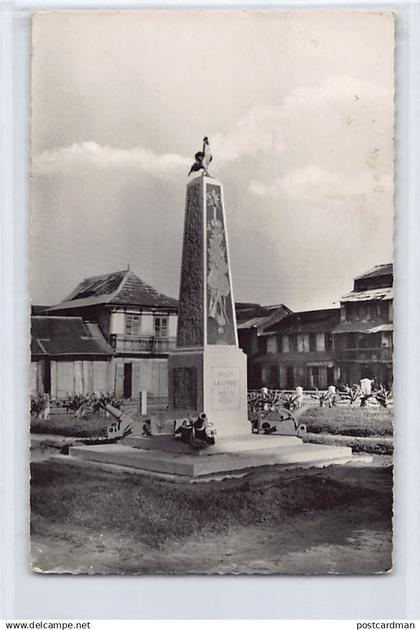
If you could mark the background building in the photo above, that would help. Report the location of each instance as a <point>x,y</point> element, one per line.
<point>68,356</point>
<point>363,340</point>
<point>114,333</point>
<point>138,322</point>
<point>252,321</point>
<point>314,349</point>
<point>298,352</point>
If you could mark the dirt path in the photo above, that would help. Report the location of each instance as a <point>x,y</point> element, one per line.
<point>348,539</point>
<point>305,545</point>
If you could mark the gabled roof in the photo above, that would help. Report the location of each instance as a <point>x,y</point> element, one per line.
<point>60,336</point>
<point>119,287</point>
<point>378,270</point>
<point>322,320</point>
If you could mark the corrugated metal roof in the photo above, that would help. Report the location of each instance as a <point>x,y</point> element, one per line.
<point>77,303</point>
<point>120,287</point>
<point>38,309</point>
<point>54,336</point>
<point>379,270</point>
<point>362,327</point>
<point>105,284</point>
<point>254,322</point>
<point>133,290</point>
<point>367,296</point>
<point>382,328</point>
<point>272,315</point>
<point>322,320</point>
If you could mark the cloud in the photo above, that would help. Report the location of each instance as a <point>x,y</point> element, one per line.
<point>315,185</point>
<point>83,154</point>
<point>251,135</point>
<point>335,91</point>
<point>337,139</point>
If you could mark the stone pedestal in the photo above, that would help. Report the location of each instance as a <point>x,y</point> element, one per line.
<point>207,371</point>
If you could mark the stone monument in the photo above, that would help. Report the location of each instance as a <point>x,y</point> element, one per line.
<point>207,371</point>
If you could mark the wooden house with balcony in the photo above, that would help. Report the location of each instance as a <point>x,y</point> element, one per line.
<point>298,352</point>
<point>138,322</point>
<point>363,340</point>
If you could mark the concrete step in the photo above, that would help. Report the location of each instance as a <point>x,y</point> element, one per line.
<point>228,444</point>
<point>188,465</point>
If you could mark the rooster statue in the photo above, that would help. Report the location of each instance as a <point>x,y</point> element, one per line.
<point>202,159</point>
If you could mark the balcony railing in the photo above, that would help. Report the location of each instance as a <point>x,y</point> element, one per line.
<point>153,345</point>
<point>364,354</point>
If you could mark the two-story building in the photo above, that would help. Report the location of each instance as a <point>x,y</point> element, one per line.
<point>252,320</point>
<point>363,340</point>
<point>138,322</point>
<point>298,352</point>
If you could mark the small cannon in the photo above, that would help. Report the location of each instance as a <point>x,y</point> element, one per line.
<point>123,425</point>
<point>198,434</point>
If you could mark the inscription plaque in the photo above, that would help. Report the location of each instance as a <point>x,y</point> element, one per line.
<point>185,388</point>
<point>225,388</point>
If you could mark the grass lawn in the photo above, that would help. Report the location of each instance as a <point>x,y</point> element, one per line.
<point>156,510</point>
<point>353,421</point>
<point>67,424</point>
<point>96,521</point>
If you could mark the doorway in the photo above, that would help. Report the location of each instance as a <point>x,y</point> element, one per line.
<point>290,381</point>
<point>330,376</point>
<point>128,371</point>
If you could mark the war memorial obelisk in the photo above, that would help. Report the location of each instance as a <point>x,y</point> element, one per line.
<point>207,372</point>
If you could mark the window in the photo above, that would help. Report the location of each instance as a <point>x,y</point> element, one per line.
<point>328,342</point>
<point>312,343</point>
<point>273,377</point>
<point>285,343</point>
<point>272,344</point>
<point>315,376</point>
<point>350,341</point>
<point>132,324</point>
<point>293,343</point>
<point>161,326</point>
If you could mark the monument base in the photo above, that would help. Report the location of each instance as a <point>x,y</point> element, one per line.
<point>210,380</point>
<point>231,458</point>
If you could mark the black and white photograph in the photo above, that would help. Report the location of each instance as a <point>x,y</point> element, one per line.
<point>211,359</point>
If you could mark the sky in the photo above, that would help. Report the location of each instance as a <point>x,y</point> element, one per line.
<point>298,107</point>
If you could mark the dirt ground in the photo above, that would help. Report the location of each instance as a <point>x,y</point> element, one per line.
<point>352,538</point>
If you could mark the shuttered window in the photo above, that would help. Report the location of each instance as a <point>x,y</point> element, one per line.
<point>161,326</point>
<point>132,325</point>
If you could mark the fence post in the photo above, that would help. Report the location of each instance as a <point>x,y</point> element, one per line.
<point>143,402</point>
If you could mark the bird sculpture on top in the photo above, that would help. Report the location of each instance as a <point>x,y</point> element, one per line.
<point>202,159</point>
